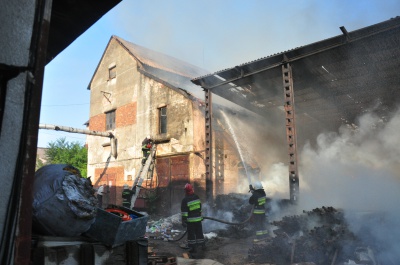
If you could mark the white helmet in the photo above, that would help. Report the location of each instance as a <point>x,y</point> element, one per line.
<point>257,185</point>
<point>125,186</point>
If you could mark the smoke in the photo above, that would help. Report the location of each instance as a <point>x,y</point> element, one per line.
<point>215,35</point>
<point>261,140</point>
<point>221,214</point>
<point>357,170</point>
<point>277,182</point>
<point>353,169</point>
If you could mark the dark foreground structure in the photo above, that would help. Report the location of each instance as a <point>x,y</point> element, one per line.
<point>33,33</point>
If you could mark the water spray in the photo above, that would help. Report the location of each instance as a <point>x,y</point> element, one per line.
<point>237,144</point>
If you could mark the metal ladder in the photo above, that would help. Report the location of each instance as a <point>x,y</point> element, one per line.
<point>145,172</point>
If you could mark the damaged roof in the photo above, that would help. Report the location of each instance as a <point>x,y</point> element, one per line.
<point>334,80</point>
<point>161,61</point>
<point>163,68</point>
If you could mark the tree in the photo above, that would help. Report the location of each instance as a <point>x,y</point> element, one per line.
<point>63,152</point>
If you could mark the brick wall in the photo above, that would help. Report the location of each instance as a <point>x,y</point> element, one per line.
<point>115,177</point>
<point>125,115</point>
<point>98,122</point>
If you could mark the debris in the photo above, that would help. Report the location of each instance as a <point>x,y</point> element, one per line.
<point>210,235</point>
<point>162,229</point>
<point>321,236</point>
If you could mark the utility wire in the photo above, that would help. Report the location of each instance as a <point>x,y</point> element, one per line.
<point>63,105</point>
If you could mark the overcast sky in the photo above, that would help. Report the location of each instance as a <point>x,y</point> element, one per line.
<point>211,34</point>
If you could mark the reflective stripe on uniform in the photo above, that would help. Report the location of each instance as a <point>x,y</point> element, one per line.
<point>261,232</point>
<point>259,211</point>
<point>194,205</point>
<point>262,200</point>
<point>195,219</point>
<point>200,241</point>
<point>184,214</point>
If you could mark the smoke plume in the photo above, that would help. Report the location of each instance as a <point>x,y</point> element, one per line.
<point>357,170</point>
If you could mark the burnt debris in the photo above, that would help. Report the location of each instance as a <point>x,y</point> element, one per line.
<point>321,236</point>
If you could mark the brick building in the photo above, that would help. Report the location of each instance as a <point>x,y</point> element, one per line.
<point>137,92</point>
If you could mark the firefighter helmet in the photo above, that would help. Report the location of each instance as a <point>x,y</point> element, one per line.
<point>125,186</point>
<point>188,188</point>
<point>257,185</point>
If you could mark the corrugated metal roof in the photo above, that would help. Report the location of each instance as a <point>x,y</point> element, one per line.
<point>335,80</point>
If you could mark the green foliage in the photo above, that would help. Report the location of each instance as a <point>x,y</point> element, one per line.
<point>63,152</point>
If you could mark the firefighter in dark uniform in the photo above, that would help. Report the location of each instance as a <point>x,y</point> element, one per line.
<point>147,143</point>
<point>258,199</point>
<point>191,218</point>
<point>126,196</point>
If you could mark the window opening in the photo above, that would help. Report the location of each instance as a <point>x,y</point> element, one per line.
<point>112,72</point>
<point>163,119</point>
<point>110,120</point>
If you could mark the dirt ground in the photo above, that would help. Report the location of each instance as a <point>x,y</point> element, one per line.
<point>227,251</point>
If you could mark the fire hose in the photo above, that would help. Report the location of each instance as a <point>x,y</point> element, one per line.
<point>217,220</point>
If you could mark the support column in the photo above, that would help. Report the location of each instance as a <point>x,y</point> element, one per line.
<point>291,136</point>
<point>219,164</point>
<point>208,151</point>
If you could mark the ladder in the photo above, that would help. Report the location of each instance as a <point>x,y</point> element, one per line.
<point>145,172</point>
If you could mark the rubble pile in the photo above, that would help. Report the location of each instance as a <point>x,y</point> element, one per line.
<point>320,236</point>
<point>163,228</point>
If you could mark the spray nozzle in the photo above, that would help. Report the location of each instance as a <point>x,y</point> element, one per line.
<point>251,189</point>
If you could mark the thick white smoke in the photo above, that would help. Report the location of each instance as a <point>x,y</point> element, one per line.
<point>355,168</point>
<point>358,171</point>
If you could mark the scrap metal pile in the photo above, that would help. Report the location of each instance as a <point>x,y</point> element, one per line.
<point>320,236</point>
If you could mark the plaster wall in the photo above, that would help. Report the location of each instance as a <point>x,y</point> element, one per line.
<point>137,98</point>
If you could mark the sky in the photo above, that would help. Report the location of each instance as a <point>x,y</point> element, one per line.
<point>211,34</point>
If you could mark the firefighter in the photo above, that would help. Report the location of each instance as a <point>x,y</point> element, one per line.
<point>100,193</point>
<point>126,196</point>
<point>146,148</point>
<point>258,199</point>
<point>191,219</point>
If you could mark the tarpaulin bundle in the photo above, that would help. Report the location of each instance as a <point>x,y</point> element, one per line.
<point>64,203</point>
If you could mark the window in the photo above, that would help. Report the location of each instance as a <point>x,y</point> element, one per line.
<point>110,120</point>
<point>112,72</point>
<point>163,120</point>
